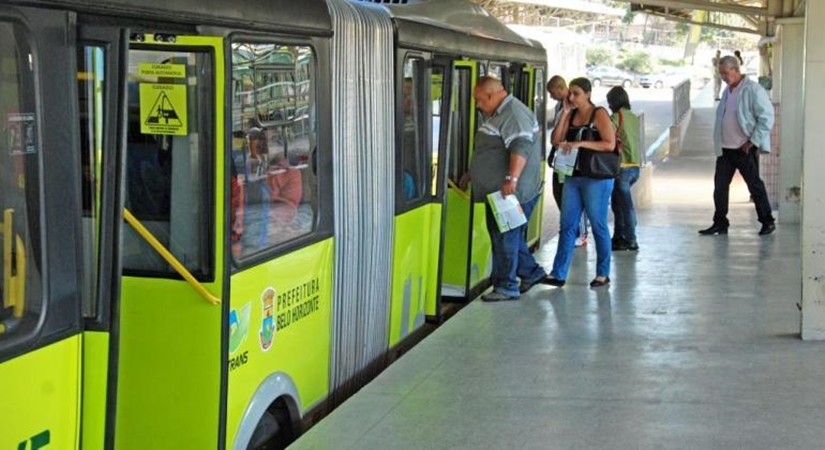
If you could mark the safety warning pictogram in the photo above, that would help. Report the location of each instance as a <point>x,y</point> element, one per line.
<point>163,109</point>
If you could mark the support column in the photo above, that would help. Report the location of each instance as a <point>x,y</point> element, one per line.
<point>789,55</point>
<point>813,188</point>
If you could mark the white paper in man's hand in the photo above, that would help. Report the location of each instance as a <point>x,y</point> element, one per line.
<point>507,211</point>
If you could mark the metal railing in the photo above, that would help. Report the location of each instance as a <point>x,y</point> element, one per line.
<point>642,141</point>
<point>681,101</point>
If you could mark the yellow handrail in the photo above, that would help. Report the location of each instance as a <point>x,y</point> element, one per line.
<point>169,257</point>
<point>19,292</point>
<point>8,245</point>
<point>462,193</point>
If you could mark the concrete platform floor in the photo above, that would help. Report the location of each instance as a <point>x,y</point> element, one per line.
<point>695,344</point>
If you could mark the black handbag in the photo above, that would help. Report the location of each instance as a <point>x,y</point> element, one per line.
<point>596,164</point>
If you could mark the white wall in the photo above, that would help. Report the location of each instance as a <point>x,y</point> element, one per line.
<point>813,173</point>
<point>789,62</point>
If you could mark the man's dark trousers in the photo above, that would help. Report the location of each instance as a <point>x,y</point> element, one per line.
<point>734,159</point>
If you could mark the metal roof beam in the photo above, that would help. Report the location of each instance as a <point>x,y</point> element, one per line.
<point>705,5</point>
<point>704,24</point>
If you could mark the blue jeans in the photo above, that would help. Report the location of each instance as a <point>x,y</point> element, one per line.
<point>558,189</point>
<point>591,196</point>
<point>624,216</point>
<point>511,257</point>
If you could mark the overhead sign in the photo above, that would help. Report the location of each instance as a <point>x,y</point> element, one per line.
<point>163,109</point>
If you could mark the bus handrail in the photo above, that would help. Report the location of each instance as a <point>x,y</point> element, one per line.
<point>170,258</point>
<point>461,192</point>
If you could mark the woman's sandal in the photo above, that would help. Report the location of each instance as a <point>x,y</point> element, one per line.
<point>552,281</point>
<point>599,283</point>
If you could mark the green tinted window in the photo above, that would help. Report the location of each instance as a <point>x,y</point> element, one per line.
<point>21,302</point>
<point>90,90</point>
<point>273,178</point>
<point>168,159</point>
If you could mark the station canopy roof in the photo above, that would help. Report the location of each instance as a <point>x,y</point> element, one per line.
<point>750,16</point>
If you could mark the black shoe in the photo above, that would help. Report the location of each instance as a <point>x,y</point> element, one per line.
<point>632,246</point>
<point>618,244</point>
<point>497,297</point>
<point>767,228</point>
<point>599,283</point>
<point>524,287</point>
<point>714,229</point>
<point>552,281</point>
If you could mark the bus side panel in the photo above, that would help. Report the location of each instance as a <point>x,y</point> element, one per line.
<point>95,372</point>
<point>534,224</point>
<point>168,367</point>
<point>280,321</point>
<point>481,265</point>
<point>411,275</point>
<point>41,397</point>
<point>433,290</point>
<point>456,244</point>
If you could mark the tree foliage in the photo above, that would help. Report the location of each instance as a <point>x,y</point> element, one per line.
<point>636,61</point>
<point>600,56</point>
<point>676,62</point>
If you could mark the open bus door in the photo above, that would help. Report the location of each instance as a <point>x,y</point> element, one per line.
<point>156,119</point>
<point>418,212</point>
<point>530,90</point>
<point>441,92</point>
<point>169,330</point>
<point>467,257</point>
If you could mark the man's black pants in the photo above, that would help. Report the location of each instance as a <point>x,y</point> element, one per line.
<point>726,165</point>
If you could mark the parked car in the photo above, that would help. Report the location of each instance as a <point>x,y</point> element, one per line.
<point>668,78</point>
<point>609,76</point>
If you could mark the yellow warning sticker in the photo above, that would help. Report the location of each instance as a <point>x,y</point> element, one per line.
<point>162,70</point>
<point>163,109</point>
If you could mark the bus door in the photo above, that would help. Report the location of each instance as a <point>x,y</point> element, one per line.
<point>40,340</point>
<point>440,105</point>
<point>466,242</point>
<point>530,89</point>
<point>152,117</point>
<point>98,95</point>
<point>417,230</point>
<point>419,223</point>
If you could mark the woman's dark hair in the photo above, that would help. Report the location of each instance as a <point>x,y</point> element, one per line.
<point>583,84</point>
<point>617,99</point>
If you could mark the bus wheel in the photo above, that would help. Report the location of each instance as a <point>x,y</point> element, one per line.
<point>274,431</point>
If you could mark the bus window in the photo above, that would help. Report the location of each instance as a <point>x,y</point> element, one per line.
<point>90,89</point>
<point>273,181</point>
<point>412,142</point>
<point>498,71</point>
<point>168,160</point>
<point>538,96</point>
<point>20,282</point>
<point>436,97</point>
<point>460,129</point>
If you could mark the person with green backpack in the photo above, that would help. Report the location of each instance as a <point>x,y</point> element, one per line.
<point>626,124</point>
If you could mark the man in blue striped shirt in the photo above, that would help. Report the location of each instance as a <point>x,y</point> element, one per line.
<point>507,157</point>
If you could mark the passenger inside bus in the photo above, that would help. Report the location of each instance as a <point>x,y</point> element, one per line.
<point>237,205</point>
<point>273,137</point>
<point>410,141</point>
